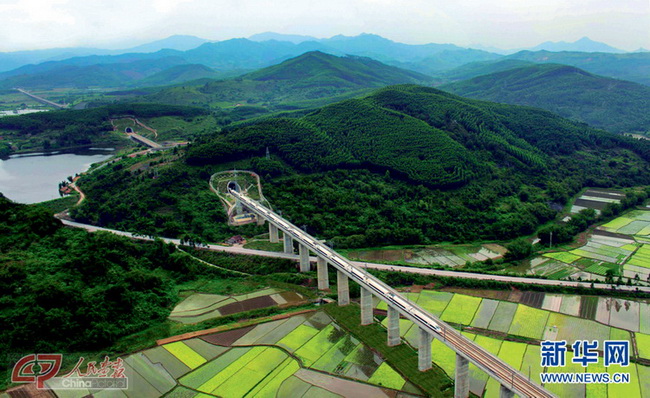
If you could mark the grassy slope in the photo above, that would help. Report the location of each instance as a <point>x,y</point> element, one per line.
<point>616,105</point>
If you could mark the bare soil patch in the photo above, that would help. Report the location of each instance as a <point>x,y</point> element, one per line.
<point>226,338</point>
<point>247,305</point>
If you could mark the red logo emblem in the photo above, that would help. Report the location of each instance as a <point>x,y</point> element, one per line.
<point>36,368</point>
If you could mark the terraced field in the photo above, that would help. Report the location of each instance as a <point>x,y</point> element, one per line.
<point>596,199</point>
<point>199,306</point>
<point>577,322</point>
<point>304,355</point>
<point>449,255</point>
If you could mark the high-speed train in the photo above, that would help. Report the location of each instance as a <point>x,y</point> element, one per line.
<point>358,274</point>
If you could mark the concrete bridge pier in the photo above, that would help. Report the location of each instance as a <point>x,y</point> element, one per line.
<point>342,284</point>
<point>239,210</point>
<point>366,306</point>
<point>461,383</point>
<point>288,243</point>
<point>393,327</point>
<point>424,351</point>
<point>323,276</point>
<point>304,258</point>
<point>506,392</point>
<point>273,233</point>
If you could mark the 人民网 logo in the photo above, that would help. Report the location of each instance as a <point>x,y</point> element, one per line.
<point>36,368</point>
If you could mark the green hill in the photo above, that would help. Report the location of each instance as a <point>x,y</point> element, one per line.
<point>95,75</point>
<point>474,69</point>
<point>179,74</point>
<point>407,164</point>
<point>616,105</point>
<point>83,128</point>
<point>310,80</point>
<point>634,67</point>
<point>319,68</point>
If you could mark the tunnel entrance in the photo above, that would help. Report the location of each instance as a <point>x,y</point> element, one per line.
<point>234,186</point>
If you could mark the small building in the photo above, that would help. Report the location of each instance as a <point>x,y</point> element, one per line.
<point>236,240</point>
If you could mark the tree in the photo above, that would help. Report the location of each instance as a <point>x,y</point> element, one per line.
<point>518,249</point>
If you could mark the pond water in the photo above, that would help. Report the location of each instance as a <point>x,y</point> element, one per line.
<point>33,178</point>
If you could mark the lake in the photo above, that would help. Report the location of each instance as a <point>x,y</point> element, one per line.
<point>32,178</point>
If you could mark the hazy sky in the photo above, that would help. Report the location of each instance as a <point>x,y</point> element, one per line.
<point>30,24</point>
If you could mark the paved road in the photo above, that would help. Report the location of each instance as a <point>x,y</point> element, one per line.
<point>42,100</point>
<point>494,366</point>
<point>384,267</point>
<point>144,140</point>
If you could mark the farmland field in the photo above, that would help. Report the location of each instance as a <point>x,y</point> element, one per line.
<point>282,368</point>
<point>461,309</point>
<point>571,328</point>
<point>624,314</point>
<point>552,302</point>
<point>199,307</point>
<point>434,302</point>
<point>631,389</point>
<point>588,307</point>
<point>617,223</point>
<point>484,314</point>
<point>567,390</point>
<point>644,318</point>
<point>513,354</point>
<point>570,305</point>
<point>528,322</point>
<point>643,344</point>
<point>644,380</point>
<point>595,389</point>
<point>563,256</point>
<point>185,354</point>
<point>503,316</point>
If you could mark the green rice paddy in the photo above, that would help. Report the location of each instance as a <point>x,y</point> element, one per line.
<point>617,223</point>
<point>186,355</point>
<point>387,377</point>
<point>563,256</point>
<point>461,309</point>
<point>529,322</point>
<point>643,344</point>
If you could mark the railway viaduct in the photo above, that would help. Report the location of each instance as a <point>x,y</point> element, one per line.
<point>512,381</point>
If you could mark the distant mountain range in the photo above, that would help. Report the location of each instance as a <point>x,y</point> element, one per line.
<point>630,66</point>
<point>134,67</point>
<point>13,60</point>
<point>583,45</point>
<point>616,105</point>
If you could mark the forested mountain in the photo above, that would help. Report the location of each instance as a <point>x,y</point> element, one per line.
<point>474,69</point>
<point>583,45</point>
<point>179,74</point>
<point>309,80</point>
<point>615,105</point>
<point>99,75</point>
<point>407,164</point>
<point>316,67</point>
<point>634,67</point>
